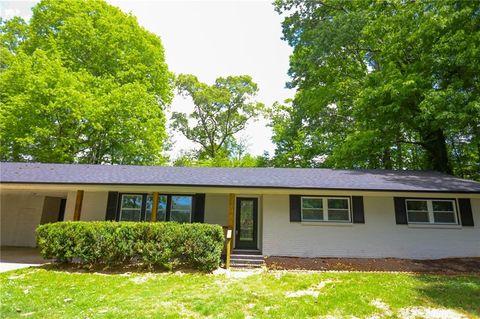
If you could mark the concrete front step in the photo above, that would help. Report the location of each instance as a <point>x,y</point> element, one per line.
<point>249,257</point>
<point>246,263</point>
<point>246,252</point>
<point>245,260</point>
<point>233,265</point>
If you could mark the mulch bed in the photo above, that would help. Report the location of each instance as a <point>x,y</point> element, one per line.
<point>440,266</point>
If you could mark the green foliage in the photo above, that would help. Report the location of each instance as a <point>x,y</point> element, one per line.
<point>192,160</point>
<point>14,32</point>
<point>164,244</point>
<point>41,293</point>
<point>382,85</point>
<point>221,110</point>
<point>233,154</point>
<point>82,82</point>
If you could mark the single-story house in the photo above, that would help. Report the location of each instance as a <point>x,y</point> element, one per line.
<point>275,211</point>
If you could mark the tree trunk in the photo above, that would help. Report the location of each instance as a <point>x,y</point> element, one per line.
<point>387,158</point>
<point>436,148</point>
<point>399,156</point>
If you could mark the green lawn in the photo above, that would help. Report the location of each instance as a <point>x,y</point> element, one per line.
<point>40,293</point>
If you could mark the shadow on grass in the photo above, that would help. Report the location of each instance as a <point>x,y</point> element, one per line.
<point>453,292</point>
<point>113,270</point>
<point>451,265</point>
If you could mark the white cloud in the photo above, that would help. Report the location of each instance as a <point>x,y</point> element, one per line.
<point>10,9</point>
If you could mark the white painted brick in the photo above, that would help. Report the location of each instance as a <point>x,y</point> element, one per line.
<point>380,236</point>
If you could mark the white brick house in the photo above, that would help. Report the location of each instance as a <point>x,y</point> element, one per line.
<point>278,212</point>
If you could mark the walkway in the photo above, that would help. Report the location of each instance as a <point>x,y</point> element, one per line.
<point>19,257</point>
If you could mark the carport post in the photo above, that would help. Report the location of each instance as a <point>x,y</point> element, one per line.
<point>78,206</point>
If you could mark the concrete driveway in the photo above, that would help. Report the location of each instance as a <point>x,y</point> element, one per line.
<point>19,257</point>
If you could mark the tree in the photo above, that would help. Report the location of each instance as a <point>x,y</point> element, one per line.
<point>233,154</point>
<point>191,159</point>
<point>221,110</point>
<point>382,85</point>
<point>82,82</point>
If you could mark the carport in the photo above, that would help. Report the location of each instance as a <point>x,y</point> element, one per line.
<point>21,211</point>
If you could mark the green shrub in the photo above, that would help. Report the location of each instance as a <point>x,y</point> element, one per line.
<point>165,244</point>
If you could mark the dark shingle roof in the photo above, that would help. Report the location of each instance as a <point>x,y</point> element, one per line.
<point>301,178</point>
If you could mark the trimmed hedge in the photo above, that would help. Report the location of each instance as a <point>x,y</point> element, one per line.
<point>165,244</point>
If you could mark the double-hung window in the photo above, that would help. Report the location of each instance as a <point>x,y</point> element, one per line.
<point>326,209</point>
<point>138,207</point>
<point>131,207</point>
<point>431,211</point>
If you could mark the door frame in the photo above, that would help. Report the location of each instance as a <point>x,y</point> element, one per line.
<point>238,200</point>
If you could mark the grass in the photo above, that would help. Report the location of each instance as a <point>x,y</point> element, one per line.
<point>42,293</point>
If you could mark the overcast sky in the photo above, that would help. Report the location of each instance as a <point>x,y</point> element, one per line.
<point>211,39</point>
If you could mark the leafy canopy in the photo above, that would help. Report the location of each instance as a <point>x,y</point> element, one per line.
<point>382,84</point>
<point>221,110</point>
<point>234,154</point>
<point>82,82</point>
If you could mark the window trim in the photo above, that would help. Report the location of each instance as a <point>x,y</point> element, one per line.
<point>430,211</point>
<point>144,204</point>
<point>325,210</point>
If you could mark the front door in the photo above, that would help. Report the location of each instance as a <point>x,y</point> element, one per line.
<point>246,228</point>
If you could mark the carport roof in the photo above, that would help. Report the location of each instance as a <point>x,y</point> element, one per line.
<point>292,178</point>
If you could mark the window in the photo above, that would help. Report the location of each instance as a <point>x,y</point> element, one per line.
<point>138,207</point>
<point>312,208</point>
<point>161,208</point>
<point>181,209</point>
<point>326,209</point>
<point>431,211</point>
<point>131,208</point>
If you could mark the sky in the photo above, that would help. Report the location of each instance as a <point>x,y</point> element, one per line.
<point>211,39</point>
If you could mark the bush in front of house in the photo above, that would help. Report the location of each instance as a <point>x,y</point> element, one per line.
<point>164,244</point>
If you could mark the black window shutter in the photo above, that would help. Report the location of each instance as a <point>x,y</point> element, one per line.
<point>465,211</point>
<point>199,208</point>
<point>400,210</point>
<point>112,204</point>
<point>295,208</point>
<point>358,211</point>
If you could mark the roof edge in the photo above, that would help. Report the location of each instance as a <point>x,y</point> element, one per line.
<point>253,187</point>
